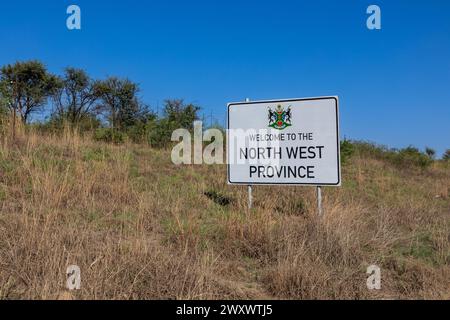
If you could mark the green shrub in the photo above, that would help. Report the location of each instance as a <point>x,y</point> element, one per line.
<point>446,155</point>
<point>4,113</point>
<point>430,152</point>
<point>411,156</point>
<point>347,150</point>
<point>372,150</point>
<point>110,135</point>
<point>136,133</point>
<point>177,115</point>
<point>140,132</point>
<point>3,123</point>
<point>161,133</point>
<point>404,158</point>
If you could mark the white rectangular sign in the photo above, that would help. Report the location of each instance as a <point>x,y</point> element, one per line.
<point>284,142</point>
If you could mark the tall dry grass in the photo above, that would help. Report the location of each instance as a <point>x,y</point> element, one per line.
<point>141,228</point>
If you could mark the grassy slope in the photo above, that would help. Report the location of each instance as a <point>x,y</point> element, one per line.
<point>142,228</point>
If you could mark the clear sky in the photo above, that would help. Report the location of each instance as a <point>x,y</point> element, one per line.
<point>393,83</point>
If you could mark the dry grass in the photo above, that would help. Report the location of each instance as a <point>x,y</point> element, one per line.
<point>141,228</point>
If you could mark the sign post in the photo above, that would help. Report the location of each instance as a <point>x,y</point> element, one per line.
<point>284,142</point>
<point>250,196</point>
<point>319,200</point>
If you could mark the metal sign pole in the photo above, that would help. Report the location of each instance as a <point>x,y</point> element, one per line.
<point>250,196</point>
<point>319,200</point>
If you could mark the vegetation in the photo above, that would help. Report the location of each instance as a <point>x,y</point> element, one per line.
<point>94,186</point>
<point>406,157</point>
<point>110,110</point>
<point>446,155</point>
<point>140,227</point>
<point>27,86</point>
<point>74,99</point>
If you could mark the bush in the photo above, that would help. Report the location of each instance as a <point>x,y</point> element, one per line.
<point>58,123</point>
<point>160,133</point>
<point>140,132</point>
<point>136,134</point>
<point>347,150</point>
<point>411,156</point>
<point>109,135</point>
<point>430,152</point>
<point>3,120</point>
<point>446,155</point>
<point>371,150</point>
<point>177,115</point>
<point>404,158</point>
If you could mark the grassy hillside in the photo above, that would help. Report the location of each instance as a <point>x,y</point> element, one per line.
<point>141,228</point>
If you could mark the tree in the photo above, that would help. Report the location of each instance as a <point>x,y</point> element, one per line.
<point>27,85</point>
<point>74,98</point>
<point>3,109</point>
<point>4,99</point>
<point>430,152</point>
<point>446,155</point>
<point>176,115</point>
<point>120,102</point>
<point>180,115</point>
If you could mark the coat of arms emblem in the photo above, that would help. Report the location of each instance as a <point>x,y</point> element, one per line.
<point>279,118</point>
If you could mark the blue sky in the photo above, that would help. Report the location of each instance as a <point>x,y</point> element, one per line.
<point>393,83</point>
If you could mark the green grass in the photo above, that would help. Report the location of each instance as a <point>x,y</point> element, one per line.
<point>418,247</point>
<point>143,220</point>
<point>99,153</point>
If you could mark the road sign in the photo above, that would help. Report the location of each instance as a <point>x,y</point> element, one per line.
<point>287,142</point>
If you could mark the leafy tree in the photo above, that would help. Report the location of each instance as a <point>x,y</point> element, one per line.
<point>430,152</point>
<point>28,86</point>
<point>176,115</point>
<point>74,98</point>
<point>179,114</point>
<point>446,155</point>
<point>120,103</point>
